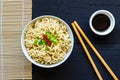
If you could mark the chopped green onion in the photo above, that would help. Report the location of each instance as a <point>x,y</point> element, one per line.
<point>52,37</point>
<point>46,48</point>
<point>42,42</point>
<point>48,34</point>
<point>36,42</point>
<point>54,40</point>
<point>39,42</point>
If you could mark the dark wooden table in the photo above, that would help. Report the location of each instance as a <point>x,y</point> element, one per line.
<point>78,67</point>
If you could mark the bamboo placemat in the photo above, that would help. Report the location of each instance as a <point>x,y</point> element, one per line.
<point>14,14</point>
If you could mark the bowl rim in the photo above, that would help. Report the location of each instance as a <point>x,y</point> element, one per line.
<point>32,60</point>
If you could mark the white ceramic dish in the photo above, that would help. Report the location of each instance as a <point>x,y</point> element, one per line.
<point>42,65</point>
<point>110,28</point>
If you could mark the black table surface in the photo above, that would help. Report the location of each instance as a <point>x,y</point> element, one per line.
<point>78,67</point>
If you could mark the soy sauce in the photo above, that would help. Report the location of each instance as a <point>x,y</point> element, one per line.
<point>101,22</point>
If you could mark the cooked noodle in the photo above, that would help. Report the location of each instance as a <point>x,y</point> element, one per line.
<point>55,52</point>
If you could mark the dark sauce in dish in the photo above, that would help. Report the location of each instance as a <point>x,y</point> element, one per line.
<point>101,22</point>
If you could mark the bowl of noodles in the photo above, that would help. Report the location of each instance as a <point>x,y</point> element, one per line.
<point>47,41</point>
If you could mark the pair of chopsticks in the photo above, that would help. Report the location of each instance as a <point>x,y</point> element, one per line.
<point>79,32</point>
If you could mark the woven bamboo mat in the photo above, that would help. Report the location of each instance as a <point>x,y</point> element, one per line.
<point>14,14</point>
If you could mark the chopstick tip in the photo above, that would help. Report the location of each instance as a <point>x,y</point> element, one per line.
<point>74,21</point>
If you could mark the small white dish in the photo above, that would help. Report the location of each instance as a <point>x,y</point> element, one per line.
<point>111,26</point>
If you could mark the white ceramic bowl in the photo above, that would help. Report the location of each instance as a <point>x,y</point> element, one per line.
<point>112,22</point>
<point>42,65</point>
